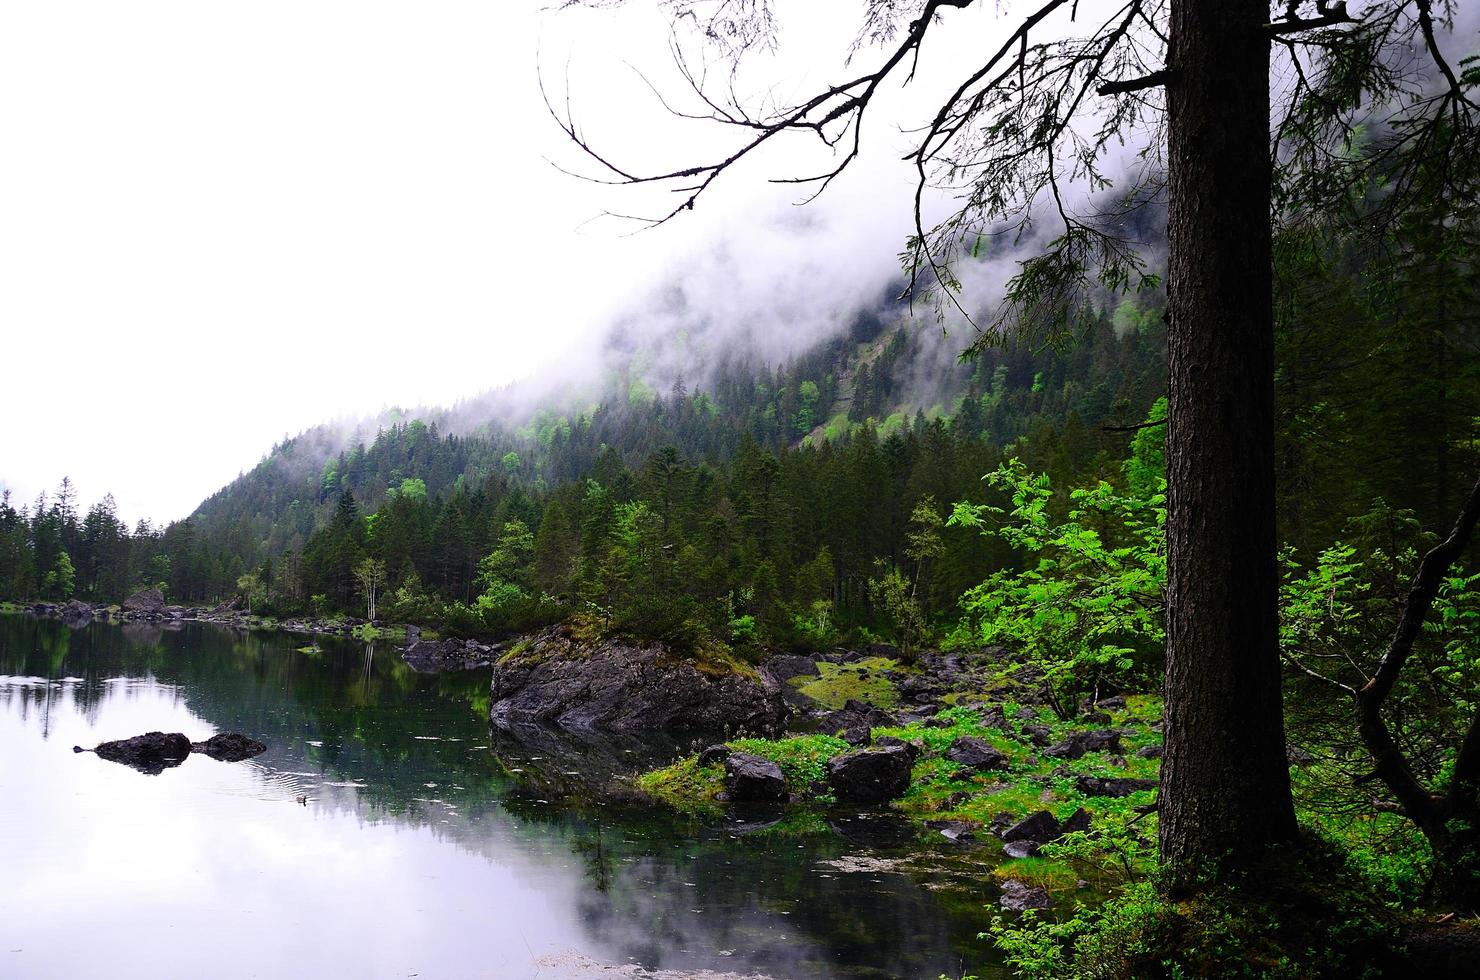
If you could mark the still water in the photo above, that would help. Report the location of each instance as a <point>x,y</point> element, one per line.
<point>425,846</point>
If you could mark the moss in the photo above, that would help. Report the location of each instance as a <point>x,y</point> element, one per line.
<point>685,785</point>
<point>867,680</point>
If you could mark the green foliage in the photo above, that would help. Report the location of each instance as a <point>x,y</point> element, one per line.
<point>1305,916</point>
<point>1086,612</point>
<point>894,596</point>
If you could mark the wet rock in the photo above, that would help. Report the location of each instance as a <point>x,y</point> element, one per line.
<point>714,755</point>
<point>875,775</point>
<point>753,779</point>
<point>144,601</point>
<point>978,754</point>
<point>1080,743</point>
<point>230,747</point>
<point>1019,897</point>
<point>1022,849</point>
<point>1041,826</point>
<point>859,736</point>
<point>615,686</point>
<point>913,748</point>
<point>1114,786</point>
<point>955,831</point>
<point>1000,822</point>
<point>151,753</point>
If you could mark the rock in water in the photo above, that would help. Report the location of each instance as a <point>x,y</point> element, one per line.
<point>875,775</point>
<point>151,753</point>
<point>975,753</point>
<point>753,779</point>
<point>614,686</point>
<point>230,747</point>
<point>145,601</point>
<point>76,614</point>
<point>1018,897</point>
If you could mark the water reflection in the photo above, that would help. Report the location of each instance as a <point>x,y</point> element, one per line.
<point>419,853</point>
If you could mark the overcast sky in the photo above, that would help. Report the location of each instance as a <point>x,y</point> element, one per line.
<point>223,223</point>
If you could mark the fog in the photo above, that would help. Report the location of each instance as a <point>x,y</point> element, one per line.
<point>222,225</point>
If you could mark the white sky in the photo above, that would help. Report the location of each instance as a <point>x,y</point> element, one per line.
<point>224,223</point>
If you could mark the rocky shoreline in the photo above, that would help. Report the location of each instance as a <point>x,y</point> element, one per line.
<point>150,606</point>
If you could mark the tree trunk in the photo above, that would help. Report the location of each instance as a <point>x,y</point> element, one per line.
<point>1225,784</point>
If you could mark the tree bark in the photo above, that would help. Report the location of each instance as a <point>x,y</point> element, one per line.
<point>1225,785</point>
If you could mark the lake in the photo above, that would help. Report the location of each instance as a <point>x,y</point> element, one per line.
<point>425,845</point>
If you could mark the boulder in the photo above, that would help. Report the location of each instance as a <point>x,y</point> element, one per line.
<point>995,718</point>
<point>1078,822</point>
<point>1040,827</point>
<point>753,779</point>
<point>783,667</point>
<point>1149,752</point>
<point>615,686</point>
<point>151,753</point>
<point>1019,897</point>
<point>1115,786</point>
<point>854,715</point>
<point>875,775</point>
<point>145,601</point>
<point>914,749</point>
<point>1037,734</point>
<point>1080,743</point>
<point>76,614</point>
<point>230,747</point>
<point>977,754</point>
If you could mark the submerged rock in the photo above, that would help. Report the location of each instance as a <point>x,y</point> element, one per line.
<point>230,747</point>
<point>753,779</point>
<point>151,753</point>
<point>875,775</point>
<point>615,686</point>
